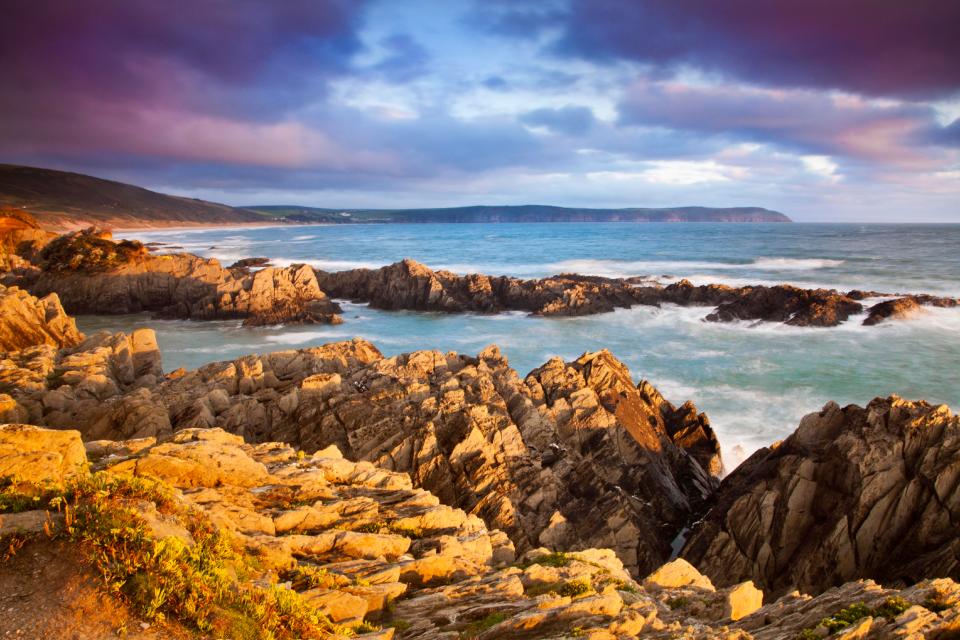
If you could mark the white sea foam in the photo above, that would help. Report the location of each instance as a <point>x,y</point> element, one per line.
<point>302,337</point>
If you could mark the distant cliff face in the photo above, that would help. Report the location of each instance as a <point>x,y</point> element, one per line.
<point>524,213</point>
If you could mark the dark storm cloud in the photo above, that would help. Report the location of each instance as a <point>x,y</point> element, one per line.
<point>231,55</point>
<point>906,48</point>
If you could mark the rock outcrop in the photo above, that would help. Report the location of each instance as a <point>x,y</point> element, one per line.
<point>93,274</point>
<point>411,285</point>
<point>26,321</point>
<point>574,456</point>
<point>854,493</point>
<point>21,235</point>
<point>357,544</point>
<point>906,307</point>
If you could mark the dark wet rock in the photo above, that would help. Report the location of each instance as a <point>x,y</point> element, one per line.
<point>789,305</point>
<point>906,307</point>
<point>854,493</point>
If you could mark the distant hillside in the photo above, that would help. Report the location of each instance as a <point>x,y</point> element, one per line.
<point>523,213</point>
<point>60,199</point>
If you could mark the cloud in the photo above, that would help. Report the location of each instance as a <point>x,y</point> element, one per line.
<point>810,122</point>
<point>903,49</point>
<point>405,60</point>
<point>570,120</point>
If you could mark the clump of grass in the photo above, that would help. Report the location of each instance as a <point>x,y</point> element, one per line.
<point>557,559</point>
<point>195,583</point>
<point>677,603</point>
<point>382,525</point>
<point>573,588</point>
<point>889,609</point>
<point>17,497</point>
<point>477,627</point>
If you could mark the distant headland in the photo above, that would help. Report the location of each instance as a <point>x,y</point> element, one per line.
<point>64,200</point>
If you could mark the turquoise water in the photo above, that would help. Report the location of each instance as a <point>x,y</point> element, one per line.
<point>754,381</point>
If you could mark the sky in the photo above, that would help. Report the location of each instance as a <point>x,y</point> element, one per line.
<point>826,110</point>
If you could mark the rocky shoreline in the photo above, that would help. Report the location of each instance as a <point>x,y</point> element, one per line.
<point>91,273</point>
<point>568,460</point>
<point>443,495</point>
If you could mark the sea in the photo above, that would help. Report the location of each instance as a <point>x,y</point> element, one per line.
<point>755,381</point>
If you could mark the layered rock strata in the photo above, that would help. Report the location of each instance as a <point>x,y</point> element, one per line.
<point>26,321</point>
<point>359,544</point>
<point>573,456</point>
<point>855,492</point>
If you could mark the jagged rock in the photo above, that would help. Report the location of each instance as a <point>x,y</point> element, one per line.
<point>21,236</point>
<point>40,456</point>
<point>575,456</point>
<point>411,285</point>
<point>96,275</point>
<point>789,305</point>
<point>854,493</point>
<point>26,321</point>
<point>351,573</point>
<point>742,600</point>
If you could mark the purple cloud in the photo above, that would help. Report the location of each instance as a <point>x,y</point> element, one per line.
<point>907,49</point>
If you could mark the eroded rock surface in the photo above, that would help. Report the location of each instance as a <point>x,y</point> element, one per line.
<point>360,543</point>
<point>574,456</point>
<point>93,274</point>
<point>26,321</point>
<point>854,493</point>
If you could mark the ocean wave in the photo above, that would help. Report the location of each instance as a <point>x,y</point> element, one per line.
<point>302,337</point>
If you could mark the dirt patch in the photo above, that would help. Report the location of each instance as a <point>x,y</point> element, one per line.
<point>46,593</point>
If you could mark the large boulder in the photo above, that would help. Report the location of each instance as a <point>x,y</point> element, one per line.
<point>855,492</point>
<point>35,456</point>
<point>26,321</point>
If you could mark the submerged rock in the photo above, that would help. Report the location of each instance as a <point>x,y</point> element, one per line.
<point>854,493</point>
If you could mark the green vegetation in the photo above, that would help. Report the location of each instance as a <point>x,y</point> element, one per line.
<point>16,497</point>
<point>677,603</point>
<point>889,609</point>
<point>573,588</point>
<point>87,252</point>
<point>194,580</point>
<point>558,559</point>
<point>477,627</point>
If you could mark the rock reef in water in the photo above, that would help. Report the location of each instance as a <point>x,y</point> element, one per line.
<point>855,492</point>
<point>93,274</point>
<point>411,285</point>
